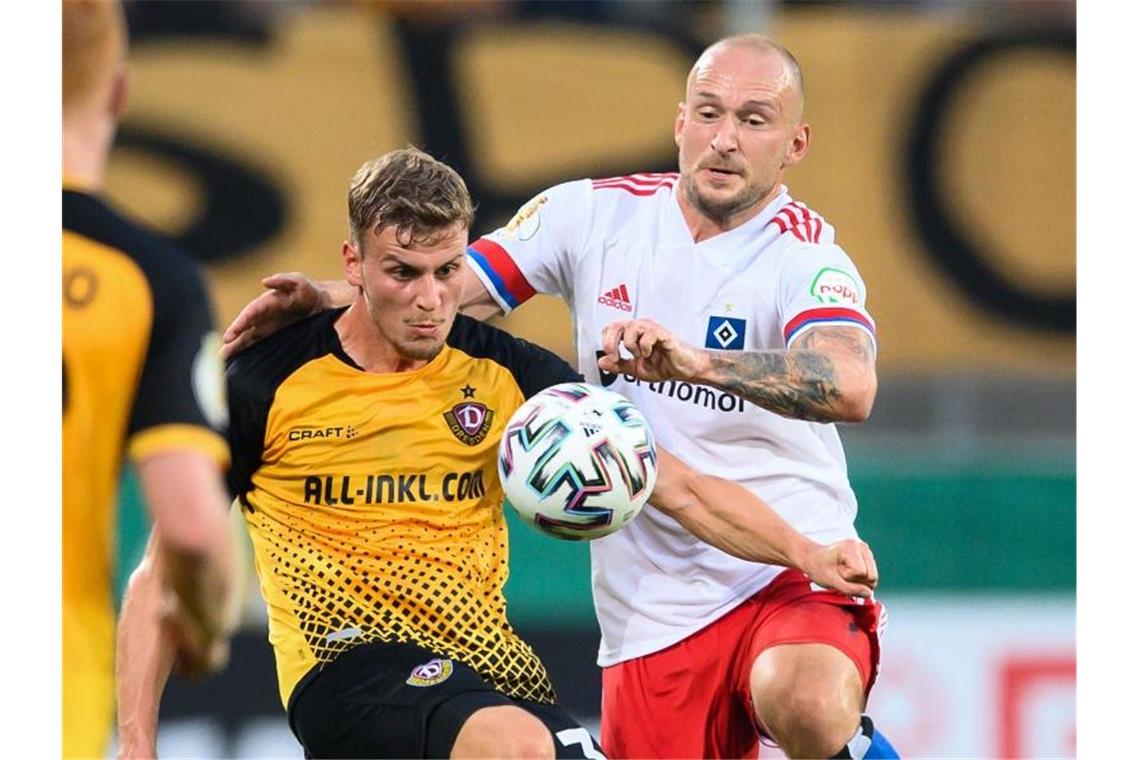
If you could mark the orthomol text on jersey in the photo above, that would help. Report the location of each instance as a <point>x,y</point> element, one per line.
<point>401,488</point>
<point>698,395</point>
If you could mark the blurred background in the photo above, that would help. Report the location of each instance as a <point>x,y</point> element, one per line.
<point>944,154</point>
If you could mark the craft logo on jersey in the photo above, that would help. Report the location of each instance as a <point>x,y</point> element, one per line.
<point>725,333</point>
<point>469,421</point>
<point>618,298</point>
<point>430,673</point>
<point>835,287</point>
<point>310,433</point>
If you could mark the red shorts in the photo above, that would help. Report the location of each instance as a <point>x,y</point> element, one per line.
<point>693,699</point>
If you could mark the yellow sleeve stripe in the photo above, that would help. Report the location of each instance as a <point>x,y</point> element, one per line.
<point>157,440</point>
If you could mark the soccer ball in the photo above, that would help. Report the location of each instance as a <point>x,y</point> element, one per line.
<point>577,461</point>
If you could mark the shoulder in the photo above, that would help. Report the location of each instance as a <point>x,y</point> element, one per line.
<point>641,185</point>
<point>263,366</point>
<point>168,269</point>
<point>483,341</point>
<point>796,223</point>
<point>532,366</point>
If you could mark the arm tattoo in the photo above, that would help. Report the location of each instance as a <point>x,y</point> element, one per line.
<point>800,383</point>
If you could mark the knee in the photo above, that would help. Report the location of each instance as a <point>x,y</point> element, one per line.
<point>811,711</point>
<point>506,732</point>
<point>810,714</point>
<point>533,741</point>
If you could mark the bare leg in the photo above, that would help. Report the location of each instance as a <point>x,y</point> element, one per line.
<point>808,696</point>
<point>503,731</point>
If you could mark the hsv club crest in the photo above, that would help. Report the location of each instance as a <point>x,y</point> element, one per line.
<point>469,421</point>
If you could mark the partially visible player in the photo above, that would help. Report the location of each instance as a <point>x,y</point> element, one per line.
<point>364,443</point>
<point>141,378</point>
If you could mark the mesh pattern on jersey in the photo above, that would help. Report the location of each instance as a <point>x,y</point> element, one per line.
<point>401,590</point>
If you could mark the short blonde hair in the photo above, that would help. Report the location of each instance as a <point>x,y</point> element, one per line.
<point>94,44</point>
<point>411,191</point>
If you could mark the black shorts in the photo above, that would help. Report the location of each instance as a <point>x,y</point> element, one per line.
<point>402,700</point>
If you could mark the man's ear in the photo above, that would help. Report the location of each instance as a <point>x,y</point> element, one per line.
<point>798,148</point>
<point>120,94</point>
<point>351,260</point>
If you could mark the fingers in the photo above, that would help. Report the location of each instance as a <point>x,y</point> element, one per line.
<point>638,336</point>
<point>196,653</point>
<point>855,567</point>
<point>611,334</point>
<point>869,562</point>
<point>235,344</point>
<point>284,281</point>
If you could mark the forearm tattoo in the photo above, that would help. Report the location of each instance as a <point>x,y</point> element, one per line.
<point>800,383</point>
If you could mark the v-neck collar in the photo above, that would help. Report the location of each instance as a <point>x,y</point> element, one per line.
<point>676,220</point>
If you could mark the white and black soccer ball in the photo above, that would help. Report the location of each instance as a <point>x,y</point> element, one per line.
<point>577,461</point>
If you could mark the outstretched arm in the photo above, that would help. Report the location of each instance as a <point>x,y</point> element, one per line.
<point>826,375</point>
<point>288,297</point>
<point>292,296</point>
<point>728,516</point>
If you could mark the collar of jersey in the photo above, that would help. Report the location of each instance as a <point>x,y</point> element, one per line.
<point>730,238</point>
<point>338,351</point>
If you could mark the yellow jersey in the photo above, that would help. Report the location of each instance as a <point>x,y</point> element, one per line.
<point>373,500</point>
<point>140,376</point>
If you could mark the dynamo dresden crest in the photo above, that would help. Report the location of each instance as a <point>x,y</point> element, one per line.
<point>469,421</point>
<point>430,673</point>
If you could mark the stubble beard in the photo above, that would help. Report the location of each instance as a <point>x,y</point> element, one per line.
<point>419,351</point>
<point>721,211</point>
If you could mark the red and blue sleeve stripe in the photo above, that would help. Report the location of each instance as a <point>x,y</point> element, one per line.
<point>832,315</point>
<point>510,284</point>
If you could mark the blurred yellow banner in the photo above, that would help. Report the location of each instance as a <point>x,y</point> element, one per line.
<point>943,152</point>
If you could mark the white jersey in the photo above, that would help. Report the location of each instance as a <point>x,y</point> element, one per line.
<point>619,249</point>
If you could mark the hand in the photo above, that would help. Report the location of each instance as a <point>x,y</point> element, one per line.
<point>657,354</point>
<point>847,566</point>
<point>200,648</point>
<point>290,297</point>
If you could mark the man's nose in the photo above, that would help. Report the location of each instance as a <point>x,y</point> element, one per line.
<point>725,139</point>
<point>428,294</point>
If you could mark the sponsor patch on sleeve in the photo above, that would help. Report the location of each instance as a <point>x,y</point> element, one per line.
<point>834,287</point>
<point>526,222</point>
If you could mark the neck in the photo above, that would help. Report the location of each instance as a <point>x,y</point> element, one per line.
<point>702,227</point>
<point>365,345</point>
<point>86,146</point>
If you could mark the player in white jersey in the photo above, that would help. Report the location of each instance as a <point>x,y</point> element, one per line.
<point>747,337</point>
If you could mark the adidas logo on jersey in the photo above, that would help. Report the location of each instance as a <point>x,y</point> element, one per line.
<point>618,298</point>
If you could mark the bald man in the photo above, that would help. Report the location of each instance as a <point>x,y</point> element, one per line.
<point>141,377</point>
<point>725,310</point>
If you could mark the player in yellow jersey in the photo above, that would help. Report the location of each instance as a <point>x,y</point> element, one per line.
<point>376,520</point>
<point>141,377</point>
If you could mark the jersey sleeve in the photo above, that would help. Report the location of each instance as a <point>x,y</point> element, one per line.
<point>536,250</point>
<point>249,416</point>
<point>180,400</point>
<point>819,285</point>
<point>533,367</point>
